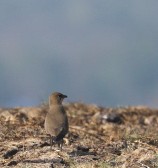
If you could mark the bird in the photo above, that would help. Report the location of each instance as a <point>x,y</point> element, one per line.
<point>56,122</point>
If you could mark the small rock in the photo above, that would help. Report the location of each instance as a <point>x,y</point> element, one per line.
<point>12,163</point>
<point>8,116</point>
<point>10,153</point>
<point>83,148</point>
<point>149,120</point>
<point>95,158</point>
<point>44,144</point>
<point>81,151</point>
<point>112,117</point>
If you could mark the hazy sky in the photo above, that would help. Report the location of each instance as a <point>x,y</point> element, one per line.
<point>103,52</point>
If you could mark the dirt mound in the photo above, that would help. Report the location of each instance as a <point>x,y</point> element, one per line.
<point>98,137</point>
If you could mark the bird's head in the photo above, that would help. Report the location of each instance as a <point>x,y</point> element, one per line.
<point>56,98</point>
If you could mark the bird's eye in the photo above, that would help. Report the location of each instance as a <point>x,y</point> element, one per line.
<point>59,96</point>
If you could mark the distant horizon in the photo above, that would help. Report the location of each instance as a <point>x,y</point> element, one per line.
<point>24,104</point>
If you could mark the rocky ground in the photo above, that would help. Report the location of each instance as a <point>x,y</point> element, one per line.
<point>123,137</point>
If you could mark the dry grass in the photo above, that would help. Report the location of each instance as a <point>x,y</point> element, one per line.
<point>128,139</point>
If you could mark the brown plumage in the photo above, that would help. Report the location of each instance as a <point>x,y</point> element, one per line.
<point>56,121</point>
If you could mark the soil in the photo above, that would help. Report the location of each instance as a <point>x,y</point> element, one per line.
<point>99,137</point>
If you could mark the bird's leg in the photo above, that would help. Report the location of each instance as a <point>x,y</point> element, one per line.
<point>51,142</point>
<point>60,144</point>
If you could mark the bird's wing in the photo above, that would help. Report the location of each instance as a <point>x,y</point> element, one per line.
<point>53,124</point>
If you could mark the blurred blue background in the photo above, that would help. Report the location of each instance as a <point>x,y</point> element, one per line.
<point>102,52</point>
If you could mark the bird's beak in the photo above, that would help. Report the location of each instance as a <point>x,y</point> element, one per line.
<point>64,96</point>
